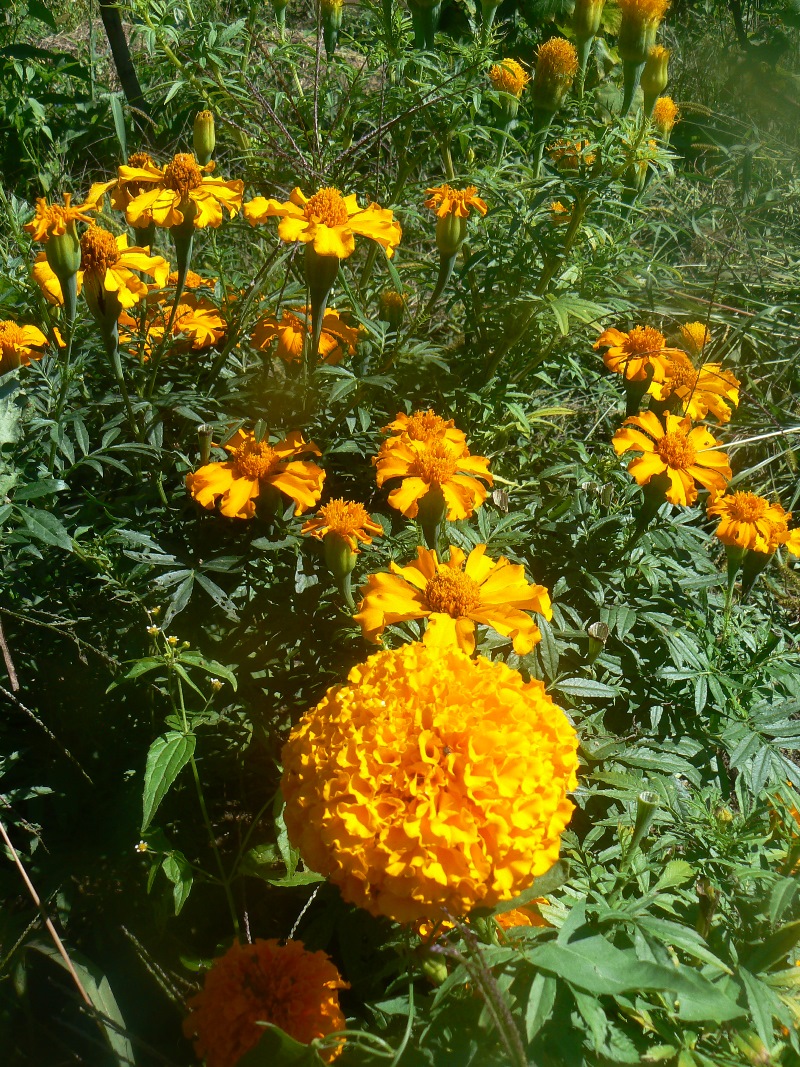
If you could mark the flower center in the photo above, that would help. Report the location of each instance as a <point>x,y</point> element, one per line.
<point>344,517</point>
<point>676,451</point>
<point>435,464</point>
<point>10,335</point>
<point>452,593</point>
<point>183,174</point>
<point>98,251</point>
<point>747,507</point>
<point>255,459</point>
<point>643,341</point>
<point>681,372</point>
<point>328,207</point>
<point>139,159</point>
<point>695,335</point>
<point>425,426</point>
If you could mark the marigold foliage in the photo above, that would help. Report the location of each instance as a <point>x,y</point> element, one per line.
<point>430,783</point>
<point>266,981</point>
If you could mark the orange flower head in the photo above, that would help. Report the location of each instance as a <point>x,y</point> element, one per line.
<point>283,984</point>
<point>684,454</point>
<point>527,916</point>
<point>437,464</point>
<point>109,266</point>
<point>294,327</point>
<point>559,215</point>
<point>709,389</point>
<point>665,115</point>
<point>509,76</point>
<point>99,251</point>
<point>19,345</point>
<point>424,426</point>
<point>182,189</point>
<point>556,67</point>
<point>632,353</point>
<point>445,200</point>
<point>54,220</point>
<point>453,596</point>
<point>430,783</point>
<point>347,520</point>
<point>696,336</point>
<point>752,522</point>
<point>254,467</point>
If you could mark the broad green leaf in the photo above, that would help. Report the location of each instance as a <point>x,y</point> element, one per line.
<point>586,689</point>
<point>210,666</point>
<point>540,1003</point>
<point>44,526</point>
<point>676,872</point>
<point>178,870</point>
<point>763,1004</point>
<point>277,1049</point>
<point>774,949</point>
<point>167,757</point>
<point>141,666</point>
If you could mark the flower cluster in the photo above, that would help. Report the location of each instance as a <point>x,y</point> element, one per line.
<point>430,783</point>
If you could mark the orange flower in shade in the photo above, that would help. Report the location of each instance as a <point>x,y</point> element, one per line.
<point>570,155</point>
<point>429,784</point>
<point>198,324</point>
<point>347,519</point>
<point>181,189</point>
<point>527,916</point>
<point>255,467</point>
<point>124,190</point>
<point>445,200</point>
<point>696,336</point>
<point>47,281</point>
<point>328,220</point>
<point>435,464</point>
<point>453,598</point>
<point>19,345</point>
<point>684,454</point>
<point>631,353</point>
<point>559,215</point>
<point>53,220</point>
<point>750,521</point>
<point>665,115</point>
<point>294,327</point>
<point>108,263</point>
<point>266,982</point>
<point>509,76</point>
<point>424,426</point>
<point>699,391</point>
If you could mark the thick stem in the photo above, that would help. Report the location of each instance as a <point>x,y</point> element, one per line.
<point>446,265</point>
<point>541,124</point>
<point>584,49</point>
<point>631,76</point>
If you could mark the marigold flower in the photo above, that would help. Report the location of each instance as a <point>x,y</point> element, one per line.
<point>684,454</point>
<point>708,389</point>
<point>752,522</point>
<point>556,67</point>
<point>665,115</point>
<point>527,916</point>
<point>445,200</point>
<point>559,215</point>
<point>436,464</point>
<point>424,426</point>
<point>19,345</point>
<point>282,984</point>
<point>108,263</point>
<point>328,220</point>
<point>54,220</point>
<point>345,518</point>
<point>198,323</point>
<point>509,76</point>
<point>180,190</point>
<point>254,467</point>
<point>454,597</point>
<point>570,155</point>
<point>294,326</point>
<point>696,335</point>
<point>430,784</point>
<point>48,282</point>
<point>638,28</point>
<point>632,353</point>
<point>124,189</point>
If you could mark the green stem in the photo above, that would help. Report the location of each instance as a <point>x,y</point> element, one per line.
<point>183,247</point>
<point>111,342</point>
<point>584,49</point>
<point>446,265</point>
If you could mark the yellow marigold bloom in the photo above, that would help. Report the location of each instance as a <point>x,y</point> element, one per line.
<point>665,115</point>
<point>253,468</point>
<point>328,220</point>
<point>198,323</point>
<point>527,916</point>
<point>454,597</point>
<point>445,200</point>
<point>294,326</point>
<point>632,353</point>
<point>53,220</point>
<point>346,518</point>
<point>646,11</point>
<point>570,155</point>
<point>696,336</point>
<point>436,464</point>
<point>429,784</point>
<point>509,76</point>
<point>709,389</point>
<point>181,189</point>
<point>750,521</point>
<point>556,67</point>
<point>425,426</point>
<point>19,345</point>
<point>124,189</point>
<point>48,282</point>
<point>268,981</point>
<point>108,263</point>
<point>559,215</point>
<point>684,454</point>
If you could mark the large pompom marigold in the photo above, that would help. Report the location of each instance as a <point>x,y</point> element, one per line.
<point>267,981</point>
<point>430,784</point>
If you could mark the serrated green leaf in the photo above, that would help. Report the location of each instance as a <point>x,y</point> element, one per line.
<point>167,757</point>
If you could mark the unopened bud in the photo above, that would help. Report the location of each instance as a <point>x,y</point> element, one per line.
<point>63,253</point>
<point>451,230</point>
<point>331,11</point>
<point>723,815</point>
<point>392,307</point>
<point>586,17</point>
<point>598,635</point>
<point>205,433</point>
<point>204,138</point>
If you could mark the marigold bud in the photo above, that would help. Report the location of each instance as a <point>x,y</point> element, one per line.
<point>586,17</point>
<point>331,11</point>
<point>655,76</point>
<point>205,434</point>
<point>556,66</point>
<point>638,28</point>
<point>451,230</point>
<point>392,307</point>
<point>63,253</point>
<point>204,138</point>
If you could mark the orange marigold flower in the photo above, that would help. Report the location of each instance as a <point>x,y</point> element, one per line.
<point>180,190</point>
<point>556,67</point>
<point>19,345</point>
<point>425,426</point>
<point>665,115</point>
<point>48,282</point>
<point>709,389</point>
<point>454,597</point>
<point>750,521</point>
<point>696,335</point>
<point>632,353</point>
<point>438,465</point>
<point>125,189</point>
<point>294,326</point>
<point>345,518</point>
<point>445,200</point>
<point>559,215</point>
<point>328,220</point>
<point>266,982</point>
<point>509,76</point>
<point>253,468</point>
<point>108,264</point>
<point>684,454</point>
<point>197,325</point>
<point>54,220</point>
<point>527,916</point>
<point>430,784</point>
<point>570,155</point>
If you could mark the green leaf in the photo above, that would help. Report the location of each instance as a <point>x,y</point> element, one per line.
<point>141,666</point>
<point>782,895</point>
<point>210,666</point>
<point>45,527</point>
<point>540,1003</point>
<point>676,872</point>
<point>775,949</point>
<point>542,887</point>
<point>178,870</point>
<point>167,757</point>
<point>763,1004</point>
<point>277,1049</point>
<point>586,689</point>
